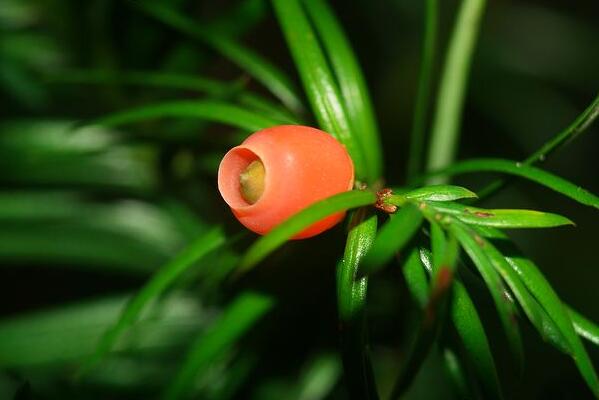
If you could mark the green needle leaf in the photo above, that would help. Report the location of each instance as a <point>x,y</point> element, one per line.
<point>351,82</point>
<point>440,193</point>
<point>472,334</point>
<point>470,329</point>
<point>393,236</point>
<point>235,321</point>
<point>266,73</point>
<point>580,125</point>
<point>535,313</point>
<point>206,110</point>
<point>351,299</point>
<point>584,327</point>
<point>450,100</point>
<point>419,121</point>
<point>64,335</point>
<point>534,174</point>
<point>501,218</point>
<point>159,282</point>
<point>319,84</point>
<point>212,87</point>
<point>508,313</point>
<point>546,296</point>
<point>413,272</point>
<point>303,219</point>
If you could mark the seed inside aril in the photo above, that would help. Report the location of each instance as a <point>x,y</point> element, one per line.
<point>251,181</point>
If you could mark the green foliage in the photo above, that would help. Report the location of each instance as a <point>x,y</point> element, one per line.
<point>125,200</point>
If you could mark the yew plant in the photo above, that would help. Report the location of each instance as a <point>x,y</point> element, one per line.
<point>118,192</point>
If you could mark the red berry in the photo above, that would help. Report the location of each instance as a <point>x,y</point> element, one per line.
<point>279,171</point>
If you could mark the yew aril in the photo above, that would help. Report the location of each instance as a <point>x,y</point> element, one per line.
<point>279,171</point>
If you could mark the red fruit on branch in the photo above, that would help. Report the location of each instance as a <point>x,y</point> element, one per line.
<point>279,171</point>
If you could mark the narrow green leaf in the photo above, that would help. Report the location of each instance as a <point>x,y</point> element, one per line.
<point>508,313</point>
<point>502,218</point>
<point>351,300</point>
<point>440,193</point>
<point>239,317</point>
<point>351,82</point>
<point>319,84</point>
<point>452,89</point>
<point>206,110</point>
<point>393,236</point>
<point>183,82</point>
<point>455,371</point>
<point>535,313</point>
<point>413,272</point>
<point>419,121</point>
<point>265,72</point>
<point>580,125</point>
<point>546,296</point>
<point>584,326</point>
<point>470,329</point>
<point>303,219</point>
<point>472,334</point>
<point>66,334</point>
<point>434,309</point>
<point>537,175</point>
<point>159,282</point>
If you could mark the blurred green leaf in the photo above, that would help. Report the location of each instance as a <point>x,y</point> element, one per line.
<point>413,272</point>
<point>319,84</point>
<point>189,82</point>
<point>508,313</point>
<point>237,318</point>
<point>204,109</point>
<point>501,218</point>
<point>58,153</point>
<point>439,193</point>
<point>266,73</point>
<point>69,333</point>
<point>319,377</point>
<point>584,326</point>
<point>452,88</point>
<point>125,236</point>
<point>537,175</point>
<point>454,369</point>
<point>419,120</point>
<point>393,236</point>
<point>351,82</point>
<point>351,301</point>
<point>303,219</point>
<point>434,309</point>
<point>579,126</point>
<point>159,282</point>
<point>470,329</point>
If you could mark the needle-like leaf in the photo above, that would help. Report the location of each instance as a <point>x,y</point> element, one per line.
<point>319,84</point>
<point>534,174</point>
<point>508,313</point>
<point>502,218</point>
<point>204,109</point>
<point>351,82</point>
<point>351,300</point>
<point>265,72</point>
<point>440,193</point>
<point>392,237</point>
<point>161,281</point>
<point>295,224</point>
<point>243,312</point>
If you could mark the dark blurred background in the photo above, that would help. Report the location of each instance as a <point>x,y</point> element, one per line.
<point>535,69</point>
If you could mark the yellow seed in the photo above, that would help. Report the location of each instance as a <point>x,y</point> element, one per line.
<point>251,181</point>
